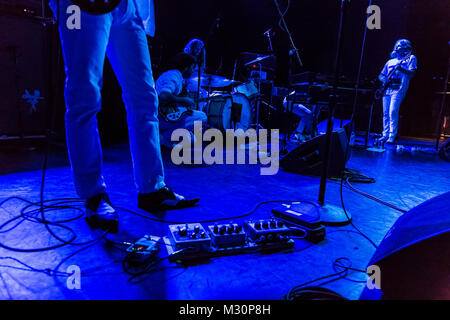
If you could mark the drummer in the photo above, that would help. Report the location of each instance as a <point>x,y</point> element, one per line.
<point>172,98</point>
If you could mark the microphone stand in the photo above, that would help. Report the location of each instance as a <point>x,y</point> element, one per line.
<point>333,215</point>
<point>293,48</point>
<point>441,111</point>
<point>293,51</point>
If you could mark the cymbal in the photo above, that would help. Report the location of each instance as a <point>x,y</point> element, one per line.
<point>258,59</point>
<point>213,81</point>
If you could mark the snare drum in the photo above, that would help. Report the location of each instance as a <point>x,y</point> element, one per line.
<point>224,110</point>
<point>248,89</point>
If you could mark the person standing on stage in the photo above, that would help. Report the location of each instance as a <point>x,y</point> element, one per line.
<point>396,76</point>
<point>121,35</point>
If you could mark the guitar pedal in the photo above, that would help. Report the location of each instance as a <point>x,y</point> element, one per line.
<point>189,235</point>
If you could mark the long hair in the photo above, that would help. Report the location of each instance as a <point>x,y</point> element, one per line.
<point>404,44</point>
<point>199,45</point>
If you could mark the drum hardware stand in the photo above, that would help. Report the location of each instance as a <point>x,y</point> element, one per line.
<point>289,108</point>
<point>258,102</point>
<point>441,111</point>
<point>234,74</point>
<point>369,124</point>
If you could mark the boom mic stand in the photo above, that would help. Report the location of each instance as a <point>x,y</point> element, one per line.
<point>358,81</point>
<point>293,51</point>
<point>333,215</point>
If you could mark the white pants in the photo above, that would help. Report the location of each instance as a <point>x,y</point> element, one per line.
<point>121,36</point>
<point>306,117</point>
<point>391,109</point>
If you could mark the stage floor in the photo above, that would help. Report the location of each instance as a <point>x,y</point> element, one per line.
<point>405,179</point>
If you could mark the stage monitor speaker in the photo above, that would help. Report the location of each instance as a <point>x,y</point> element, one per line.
<point>414,256</point>
<point>307,159</point>
<point>444,150</point>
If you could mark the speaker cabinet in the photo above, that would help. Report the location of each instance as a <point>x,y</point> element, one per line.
<point>308,158</point>
<point>414,256</point>
<point>24,69</point>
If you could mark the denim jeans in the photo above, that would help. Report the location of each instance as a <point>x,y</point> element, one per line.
<point>391,109</point>
<point>120,35</point>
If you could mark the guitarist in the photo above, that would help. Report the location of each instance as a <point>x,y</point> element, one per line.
<point>395,77</point>
<point>122,36</point>
<point>177,110</point>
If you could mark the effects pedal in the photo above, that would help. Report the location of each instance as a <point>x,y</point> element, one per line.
<point>143,249</point>
<point>301,214</point>
<point>227,235</point>
<point>267,230</point>
<point>189,235</point>
<point>303,220</point>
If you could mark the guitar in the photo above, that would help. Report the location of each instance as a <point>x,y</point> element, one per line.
<point>382,89</point>
<point>97,6</point>
<point>174,113</point>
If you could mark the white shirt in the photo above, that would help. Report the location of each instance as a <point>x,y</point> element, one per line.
<point>400,81</point>
<point>170,81</point>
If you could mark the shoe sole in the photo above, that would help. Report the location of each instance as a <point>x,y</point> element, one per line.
<point>182,204</point>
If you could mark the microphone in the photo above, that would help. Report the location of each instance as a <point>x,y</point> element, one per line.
<point>267,33</point>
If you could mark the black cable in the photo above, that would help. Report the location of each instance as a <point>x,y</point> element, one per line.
<point>297,291</point>
<point>283,14</point>
<point>351,222</point>
<point>304,292</point>
<point>252,211</point>
<point>349,185</point>
<point>32,216</point>
<point>147,268</point>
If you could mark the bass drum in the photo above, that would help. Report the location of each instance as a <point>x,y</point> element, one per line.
<point>230,112</point>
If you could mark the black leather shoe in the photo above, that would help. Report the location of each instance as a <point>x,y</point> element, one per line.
<point>164,199</point>
<point>101,214</point>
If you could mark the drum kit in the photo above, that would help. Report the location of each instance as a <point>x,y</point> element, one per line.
<point>232,109</point>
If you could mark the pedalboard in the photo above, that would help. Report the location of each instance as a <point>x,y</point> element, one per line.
<point>267,230</point>
<point>189,235</point>
<point>227,235</point>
